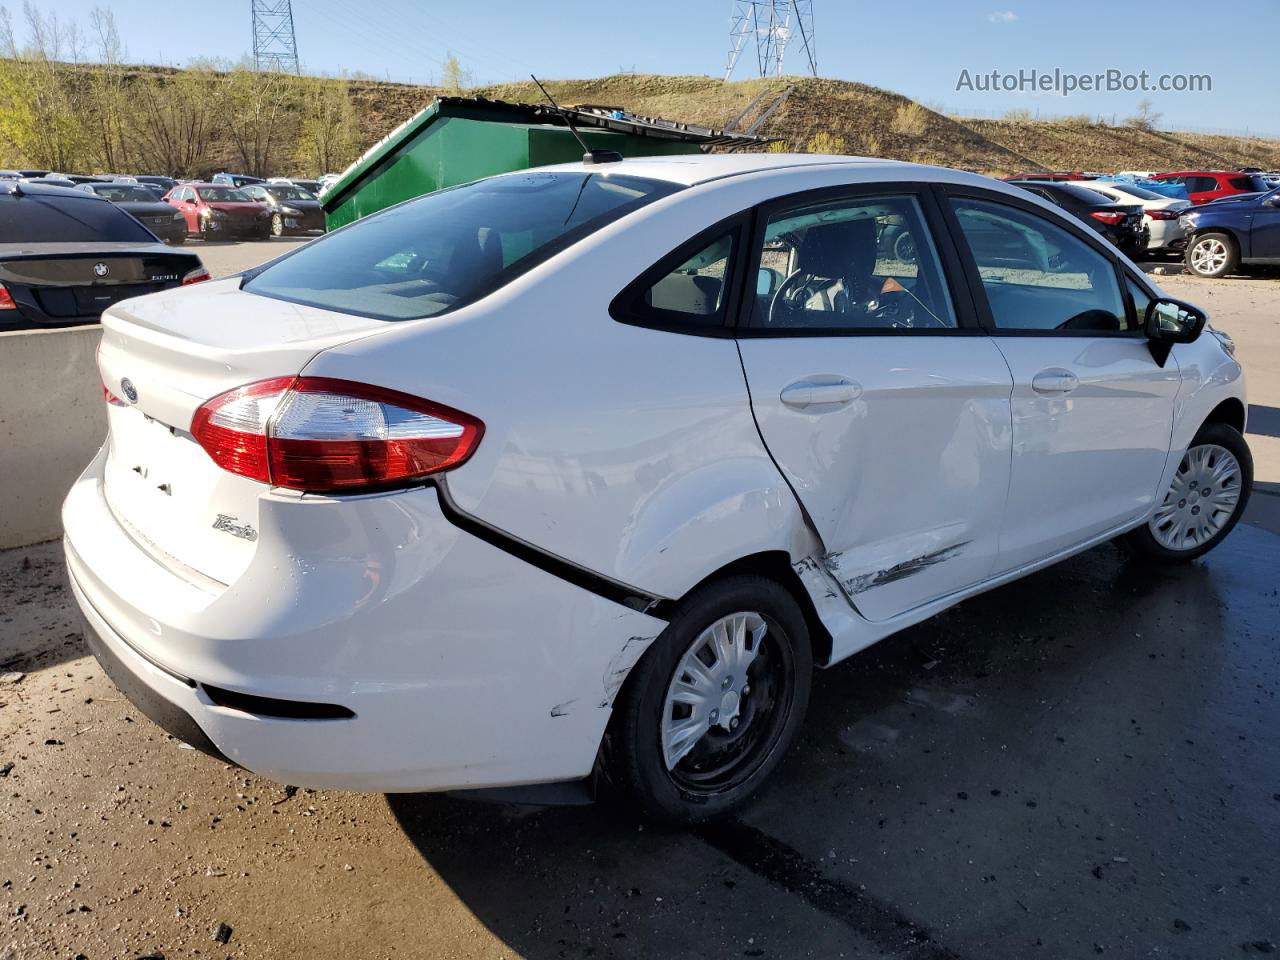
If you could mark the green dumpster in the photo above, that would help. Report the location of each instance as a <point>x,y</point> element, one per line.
<point>460,139</point>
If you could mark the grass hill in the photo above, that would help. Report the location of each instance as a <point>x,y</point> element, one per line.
<point>860,119</point>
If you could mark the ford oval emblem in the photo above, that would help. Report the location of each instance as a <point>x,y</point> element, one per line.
<point>129,389</point>
<point>101,269</point>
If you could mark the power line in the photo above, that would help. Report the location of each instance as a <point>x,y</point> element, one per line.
<point>770,26</point>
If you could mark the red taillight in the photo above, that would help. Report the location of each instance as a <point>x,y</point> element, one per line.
<point>1162,214</point>
<point>197,275</point>
<point>6,299</point>
<point>324,435</point>
<point>1110,219</point>
<point>111,398</point>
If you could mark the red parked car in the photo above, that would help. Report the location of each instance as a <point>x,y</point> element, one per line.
<point>1204,186</point>
<point>214,211</point>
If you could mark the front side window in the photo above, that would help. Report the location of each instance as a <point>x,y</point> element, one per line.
<point>1037,275</point>
<point>850,265</point>
<point>446,249</point>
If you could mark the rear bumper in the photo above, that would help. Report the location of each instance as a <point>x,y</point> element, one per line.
<point>461,666</point>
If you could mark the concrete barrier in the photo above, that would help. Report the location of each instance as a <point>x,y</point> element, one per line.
<point>52,419</point>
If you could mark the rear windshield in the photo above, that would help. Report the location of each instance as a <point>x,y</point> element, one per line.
<point>289,193</point>
<point>223,195</point>
<point>68,219</point>
<point>421,258</point>
<point>126,192</point>
<point>1142,193</point>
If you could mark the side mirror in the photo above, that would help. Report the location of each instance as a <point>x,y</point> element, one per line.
<point>1273,200</point>
<point>765,280</point>
<point>1169,322</point>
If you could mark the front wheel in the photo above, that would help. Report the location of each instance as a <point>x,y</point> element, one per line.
<point>1212,255</point>
<point>277,225</point>
<point>1209,493</point>
<point>715,702</point>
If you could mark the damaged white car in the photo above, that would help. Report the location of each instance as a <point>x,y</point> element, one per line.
<point>584,469</point>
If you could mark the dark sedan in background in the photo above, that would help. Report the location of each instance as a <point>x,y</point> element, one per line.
<point>293,210</point>
<point>1120,223</point>
<point>141,202</point>
<point>67,255</point>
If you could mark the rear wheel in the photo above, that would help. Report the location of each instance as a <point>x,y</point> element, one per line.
<point>1212,255</point>
<point>715,702</point>
<point>1209,493</point>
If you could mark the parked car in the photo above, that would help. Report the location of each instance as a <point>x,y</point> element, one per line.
<point>1205,186</point>
<point>215,211</point>
<point>311,186</point>
<point>1121,223</point>
<point>293,210</point>
<point>66,255</point>
<point>327,180</point>
<point>1227,233</point>
<point>343,531</point>
<point>140,202</point>
<point>1159,213</point>
<point>235,179</point>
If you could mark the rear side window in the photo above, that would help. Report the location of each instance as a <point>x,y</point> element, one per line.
<point>449,248</point>
<point>1037,275</point>
<point>72,219</point>
<point>695,292</point>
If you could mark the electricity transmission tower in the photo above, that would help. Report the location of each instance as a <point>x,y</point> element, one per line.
<point>771,25</point>
<point>274,45</point>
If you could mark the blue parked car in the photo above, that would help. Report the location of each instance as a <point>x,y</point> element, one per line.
<point>1232,231</point>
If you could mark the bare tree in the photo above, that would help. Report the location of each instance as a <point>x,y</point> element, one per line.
<point>1146,118</point>
<point>107,93</point>
<point>255,107</point>
<point>330,137</point>
<point>175,119</point>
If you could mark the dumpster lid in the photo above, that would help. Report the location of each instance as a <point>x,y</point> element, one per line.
<point>502,111</point>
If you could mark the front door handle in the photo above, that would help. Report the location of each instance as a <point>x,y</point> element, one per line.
<point>820,390</point>
<point>1054,382</point>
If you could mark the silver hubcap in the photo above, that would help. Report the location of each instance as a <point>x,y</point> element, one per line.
<point>710,683</point>
<point>1201,500</point>
<point>1209,256</point>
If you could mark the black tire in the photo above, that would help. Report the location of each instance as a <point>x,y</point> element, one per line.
<point>1204,242</point>
<point>1143,541</point>
<point>277,225</point>
<point>781,674</point>
<point>178,241</point>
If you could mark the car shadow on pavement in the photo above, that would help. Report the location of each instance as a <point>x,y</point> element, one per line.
<point>1020,773</point>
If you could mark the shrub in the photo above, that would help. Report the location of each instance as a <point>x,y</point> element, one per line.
<point>1021,114</point>
<point>824,142</point>
<point>909,120</point>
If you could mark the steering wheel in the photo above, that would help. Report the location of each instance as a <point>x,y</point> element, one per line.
<point>783,288</point>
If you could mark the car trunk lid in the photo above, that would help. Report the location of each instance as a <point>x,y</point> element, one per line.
<point>162,358</point>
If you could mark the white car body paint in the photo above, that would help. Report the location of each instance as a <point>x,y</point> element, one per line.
<point>630,453</point>
<point>1164,233</point>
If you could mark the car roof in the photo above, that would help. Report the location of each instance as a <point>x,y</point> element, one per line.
<point>690,169</point>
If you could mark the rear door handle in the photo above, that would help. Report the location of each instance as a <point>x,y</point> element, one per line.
<point>820,390</point>
<point>1054,382</point>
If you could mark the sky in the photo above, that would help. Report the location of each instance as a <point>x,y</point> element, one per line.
<point>913,47</point>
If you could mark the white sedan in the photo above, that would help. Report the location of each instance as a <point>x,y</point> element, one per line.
<point>1160,213</point>
<point>586,468</point>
